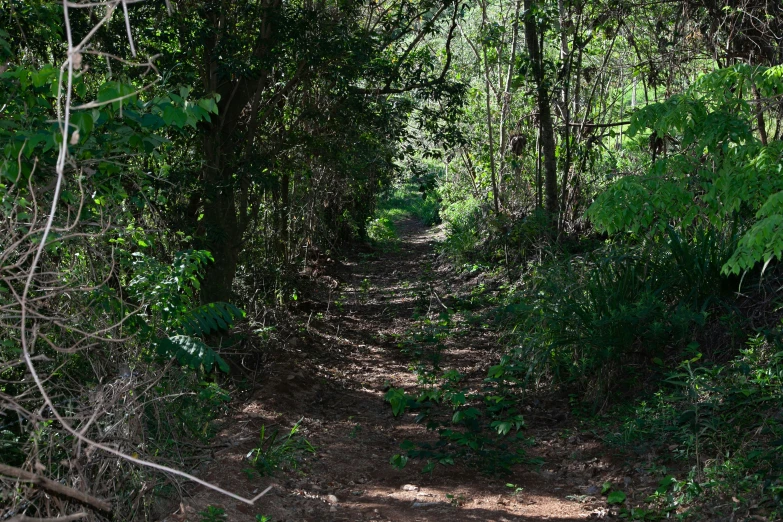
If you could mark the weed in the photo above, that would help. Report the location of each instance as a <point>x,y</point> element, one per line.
<point>483,427</point>
<point>213,514</point>
<point>456,500</point>
<point>279,453</point>
<point>365,288</point>
<point>383,233</point>
<point>516,490</point>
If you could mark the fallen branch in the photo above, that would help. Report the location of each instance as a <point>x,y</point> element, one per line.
<point>54,487</point>
<point>67,518</point>
<point>432,289</point>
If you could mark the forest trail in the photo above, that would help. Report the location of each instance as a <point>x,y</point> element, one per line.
<point>332,371</point>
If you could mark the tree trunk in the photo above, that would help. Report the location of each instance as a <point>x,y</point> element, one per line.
<point>544,111</point>
<point>505,94</point>
<point>225,219</point>
<point>223,232</point>
<point>565,74</point>
<point>493,170</point>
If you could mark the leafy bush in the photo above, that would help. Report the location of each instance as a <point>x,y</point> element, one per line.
<point>168,292</point>
<point>717,172</point>
<point>724,420</point>
<point>590,319</point>
<point>382,231</point>
<point>465,227</point>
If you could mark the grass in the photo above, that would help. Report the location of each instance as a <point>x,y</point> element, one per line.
<point>402,201</point>
<point>275,452</point>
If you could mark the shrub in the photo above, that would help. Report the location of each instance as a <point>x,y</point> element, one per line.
<point>464,228</point>
<point>591,319</point>
<point>382,231</point>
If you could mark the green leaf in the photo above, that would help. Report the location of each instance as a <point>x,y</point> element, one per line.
<point>399,461</point>
<point>174,116</point>
<point>616,497</point>
<point>398,400</point>
<point>107,92</point>
<point>665,484</point>
<point>191,351</point>
<point>502,427</point>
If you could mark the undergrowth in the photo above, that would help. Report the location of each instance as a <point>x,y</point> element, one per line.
<point>482,427</point>
<point>713,432</point>
<point>276,452</point>
<point>600,320</point>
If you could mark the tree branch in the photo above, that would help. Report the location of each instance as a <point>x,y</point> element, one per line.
<point>387,89</point>
<point>598,125</point>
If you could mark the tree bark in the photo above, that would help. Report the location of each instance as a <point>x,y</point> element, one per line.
<point>223,233</point>
<point>505,95</point>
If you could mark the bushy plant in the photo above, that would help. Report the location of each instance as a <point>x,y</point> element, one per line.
<point>722,420</point>
<point>382,231</point>
<point>715,170</point>
<point>592,318</point>
<point>465,228</point>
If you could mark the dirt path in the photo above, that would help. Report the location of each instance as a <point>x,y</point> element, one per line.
<point>331,371</point>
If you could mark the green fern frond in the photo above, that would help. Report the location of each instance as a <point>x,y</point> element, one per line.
<point>208,318</point>
<point>191,351</point>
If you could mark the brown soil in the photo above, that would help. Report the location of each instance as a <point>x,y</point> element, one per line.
<point>331,371</point>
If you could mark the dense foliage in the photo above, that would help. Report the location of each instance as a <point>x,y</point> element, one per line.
<point>166,165</point>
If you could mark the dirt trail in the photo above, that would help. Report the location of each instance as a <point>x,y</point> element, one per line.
<point>331,372</point>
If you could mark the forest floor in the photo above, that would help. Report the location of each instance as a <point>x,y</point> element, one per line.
<point>331,371</point>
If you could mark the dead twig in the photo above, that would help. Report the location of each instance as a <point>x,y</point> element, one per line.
<point>55,487</point>
<point>67,518</point>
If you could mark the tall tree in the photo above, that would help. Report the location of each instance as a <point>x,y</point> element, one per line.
<point>534,39</point>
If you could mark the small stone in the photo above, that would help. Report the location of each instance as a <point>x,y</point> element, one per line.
<point>331,499</point>
<point>332,509</point>
<point>409,487</point>
<point>424,504</point>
